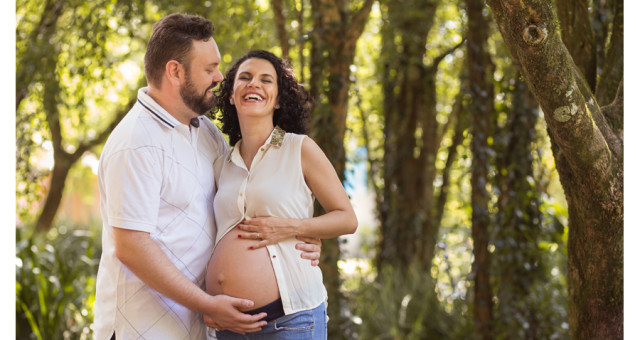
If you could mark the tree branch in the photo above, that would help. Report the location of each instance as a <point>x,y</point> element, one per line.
<point>104,134</point>
<point>439,58</point>
<point>614,112</point>
<point>458,137</point>
<point>358,21</point>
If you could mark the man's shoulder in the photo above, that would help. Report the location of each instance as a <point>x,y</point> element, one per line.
<point>214,137</point>
<point>136,129</point>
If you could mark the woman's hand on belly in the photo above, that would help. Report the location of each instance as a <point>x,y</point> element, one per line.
<point>267,230</point>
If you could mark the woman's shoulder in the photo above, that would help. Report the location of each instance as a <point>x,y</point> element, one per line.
<point>299,140</point>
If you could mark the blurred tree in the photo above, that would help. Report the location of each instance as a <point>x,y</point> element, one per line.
<point>587,145</point>
<point>409,209</point>
<point>518,228</point>
<point>482,112</point>
<point>337,26</point>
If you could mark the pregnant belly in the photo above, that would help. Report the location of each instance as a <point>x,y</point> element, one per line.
<point>236,271</point>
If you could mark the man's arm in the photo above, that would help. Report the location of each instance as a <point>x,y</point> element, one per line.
<point>143,257</point>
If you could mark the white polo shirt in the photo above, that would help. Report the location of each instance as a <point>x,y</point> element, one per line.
<point>274,186</point>
<point>155,175</point>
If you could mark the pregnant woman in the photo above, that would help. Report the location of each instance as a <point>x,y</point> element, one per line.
<point>267,186</point>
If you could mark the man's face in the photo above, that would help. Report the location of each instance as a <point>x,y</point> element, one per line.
<point>201,77</point>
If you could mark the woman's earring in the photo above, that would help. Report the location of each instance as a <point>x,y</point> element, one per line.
<point>277,106</point>
<point>231,101</point>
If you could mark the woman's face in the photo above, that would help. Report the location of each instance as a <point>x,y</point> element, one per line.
<point>255,88</point>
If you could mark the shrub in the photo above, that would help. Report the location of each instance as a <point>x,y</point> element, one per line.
<point>55,283</point>
<point>402,304</point>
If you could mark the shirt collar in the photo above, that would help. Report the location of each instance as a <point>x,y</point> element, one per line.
<point>277,135</point>
<point>275,138</point>
<point>157,111</point>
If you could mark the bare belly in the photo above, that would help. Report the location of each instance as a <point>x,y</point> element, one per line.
<point>236,271</point>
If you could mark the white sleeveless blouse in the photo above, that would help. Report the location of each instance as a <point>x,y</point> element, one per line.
<point>274,186</point>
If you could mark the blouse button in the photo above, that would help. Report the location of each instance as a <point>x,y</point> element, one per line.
<point>274,256</point>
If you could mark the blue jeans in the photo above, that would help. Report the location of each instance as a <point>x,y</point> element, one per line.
<point>304,325</point>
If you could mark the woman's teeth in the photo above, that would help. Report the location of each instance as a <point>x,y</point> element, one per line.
<point>252,97</point>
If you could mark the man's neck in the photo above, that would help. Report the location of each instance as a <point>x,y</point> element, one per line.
<point>172,103</point>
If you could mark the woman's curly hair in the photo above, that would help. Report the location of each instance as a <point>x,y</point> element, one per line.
<point>295,102</point>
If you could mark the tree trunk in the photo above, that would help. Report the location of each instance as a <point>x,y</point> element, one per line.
<point>480,68</point>
<point>54,194</point>
<point>281,27</point>
<point>333,48</point>
<point>411,136</point>
<point>589,159</point>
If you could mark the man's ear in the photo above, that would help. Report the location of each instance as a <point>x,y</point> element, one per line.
<point>174,72</point>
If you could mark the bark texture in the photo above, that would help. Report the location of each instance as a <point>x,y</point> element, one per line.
<point>589,161</point>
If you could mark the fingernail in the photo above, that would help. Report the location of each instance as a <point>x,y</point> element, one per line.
<point>251,247</point>
<point>239,236</point>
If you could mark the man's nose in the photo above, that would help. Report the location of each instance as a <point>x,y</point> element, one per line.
<point>218,77</point>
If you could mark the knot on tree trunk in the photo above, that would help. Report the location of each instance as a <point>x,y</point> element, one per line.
<point>535,34</point>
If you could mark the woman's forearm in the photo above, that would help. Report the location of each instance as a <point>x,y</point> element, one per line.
<point>329,225</point>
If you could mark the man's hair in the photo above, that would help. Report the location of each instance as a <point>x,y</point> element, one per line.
<point>295,102</point>
<point>172,39</point>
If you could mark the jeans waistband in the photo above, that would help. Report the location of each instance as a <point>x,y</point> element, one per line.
<point>273,309</point>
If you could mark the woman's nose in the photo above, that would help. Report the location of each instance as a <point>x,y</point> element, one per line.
<point>254,83</point>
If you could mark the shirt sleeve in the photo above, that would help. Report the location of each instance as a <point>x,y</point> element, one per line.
<point>133,181</point>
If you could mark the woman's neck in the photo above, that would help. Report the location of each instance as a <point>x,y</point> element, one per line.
<point>254,135</point>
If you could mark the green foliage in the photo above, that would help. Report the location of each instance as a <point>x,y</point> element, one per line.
<point>55,283</point>
<point>75,65</point>
<point>404,305</point>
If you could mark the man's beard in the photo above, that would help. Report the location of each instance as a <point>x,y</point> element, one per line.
<point>196,102</point>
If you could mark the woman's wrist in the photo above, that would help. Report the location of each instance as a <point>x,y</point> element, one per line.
<point>297,226</point>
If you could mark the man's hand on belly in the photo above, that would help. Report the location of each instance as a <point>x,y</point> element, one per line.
<point>311,249</point>
<point>225,315</point>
